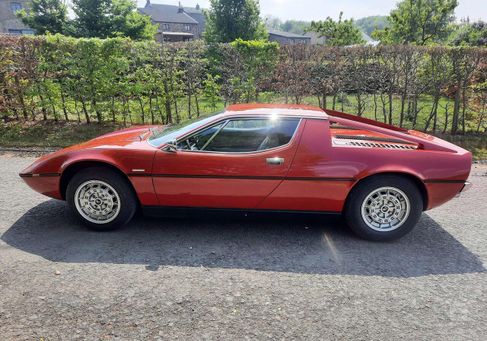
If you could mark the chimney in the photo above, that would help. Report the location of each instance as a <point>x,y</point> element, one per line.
<point>148,4</point>
<point>198,7</point>
<point>180,9</point>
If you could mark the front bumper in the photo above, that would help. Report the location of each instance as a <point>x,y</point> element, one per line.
<point>44,183</point>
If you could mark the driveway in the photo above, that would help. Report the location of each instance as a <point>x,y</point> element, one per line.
<point>220,277</point>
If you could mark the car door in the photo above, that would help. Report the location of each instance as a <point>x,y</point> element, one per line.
<point>235,163</point>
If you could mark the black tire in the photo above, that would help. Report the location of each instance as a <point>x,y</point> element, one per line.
<point>353,207</point>
<point>127,199</point>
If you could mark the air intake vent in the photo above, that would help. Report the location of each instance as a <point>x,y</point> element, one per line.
<point>340,142</point>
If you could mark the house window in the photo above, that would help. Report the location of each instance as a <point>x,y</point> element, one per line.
<point>15,6</point>
<point>15,32</point>
<point>187,28</point>
<point>165,26</point>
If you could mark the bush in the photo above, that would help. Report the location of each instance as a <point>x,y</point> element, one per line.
<point>120,80</point>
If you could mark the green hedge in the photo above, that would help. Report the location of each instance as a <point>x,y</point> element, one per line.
<point>61,78</point>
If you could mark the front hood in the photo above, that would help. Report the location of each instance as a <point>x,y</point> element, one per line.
<point>130,138</point>
<point>122,137</point>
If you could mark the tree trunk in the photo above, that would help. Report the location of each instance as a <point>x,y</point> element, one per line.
<point>113,109</point>
<point>401,113</point>
<point>85,111</point>
<point>375,106</point>
<point>456,111</point>
<point>189,106</point>
<point>152,120</point>
<point>390,107</point>
<point>43,109</point>
<point>77,111</point>
<point>21,97</point>
<point>464,103</point>
<point>197,105</point>
<point>63,103</point>
<point>94,107</point>
<point>446,119</point>
<point>142,112</point>
<point>167,103</point>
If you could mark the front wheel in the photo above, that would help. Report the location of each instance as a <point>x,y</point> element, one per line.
<point>101,198</point>
<point>384,207</point>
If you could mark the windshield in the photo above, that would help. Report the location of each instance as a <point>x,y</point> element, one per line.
<point>172,132</point>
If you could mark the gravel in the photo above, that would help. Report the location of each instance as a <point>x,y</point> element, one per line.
<point>216,277</point>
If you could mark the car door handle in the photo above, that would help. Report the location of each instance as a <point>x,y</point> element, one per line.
<point>275,160</point>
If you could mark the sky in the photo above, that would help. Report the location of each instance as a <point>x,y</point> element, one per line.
<point>320,9</point>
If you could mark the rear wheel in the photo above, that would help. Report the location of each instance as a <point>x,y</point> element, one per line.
<point>384,207</point>
<point>101,198</point>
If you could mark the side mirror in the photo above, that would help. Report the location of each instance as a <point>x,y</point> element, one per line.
<point>171,146</point>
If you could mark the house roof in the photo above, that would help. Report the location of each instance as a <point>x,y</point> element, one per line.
<point>167,13</point>
<point>287,34</point>
<point>316,38</point>
<point>369,40</point>
<point>191,10</point>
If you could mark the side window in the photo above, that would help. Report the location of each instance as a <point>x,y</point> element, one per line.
<point>200,140</point>
<point>243,135</point>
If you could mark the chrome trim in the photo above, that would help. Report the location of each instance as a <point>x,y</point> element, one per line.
<point>466,186</point>
<point>372,138</point>
<point>275,160</point>
<point>35,175</point>
<point>358,143</point>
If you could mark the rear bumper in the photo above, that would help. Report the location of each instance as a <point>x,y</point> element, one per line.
<point>441,191</point>
<point>466,186</point>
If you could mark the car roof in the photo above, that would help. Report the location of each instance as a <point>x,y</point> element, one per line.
<point>298,110</point>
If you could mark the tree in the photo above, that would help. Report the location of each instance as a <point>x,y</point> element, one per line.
<point>228,20</point>
<point>127,22</point>
<point>273,22</point>
<point>419,22</point>
<point>111,18</point>
<point>45,16</point>
<point>372,23</point>
<point>467,34</point>
<point>295,26</point>
<point>338,33</point>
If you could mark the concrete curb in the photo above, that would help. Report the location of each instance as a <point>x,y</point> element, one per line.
<point>41,150</point>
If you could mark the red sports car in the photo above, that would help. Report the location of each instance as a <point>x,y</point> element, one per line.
<point>290,158</point>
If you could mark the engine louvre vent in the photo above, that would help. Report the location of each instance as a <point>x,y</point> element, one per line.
<point>340,142</point>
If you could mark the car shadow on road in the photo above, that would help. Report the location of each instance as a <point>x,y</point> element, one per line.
<point>269,243</point>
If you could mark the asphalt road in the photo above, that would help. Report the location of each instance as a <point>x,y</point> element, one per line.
<point>238,278</point>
